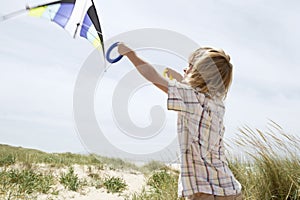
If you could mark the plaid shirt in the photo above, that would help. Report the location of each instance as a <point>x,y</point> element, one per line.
<point>200,132</point>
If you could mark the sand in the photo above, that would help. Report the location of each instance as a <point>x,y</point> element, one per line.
<point>135,182</point>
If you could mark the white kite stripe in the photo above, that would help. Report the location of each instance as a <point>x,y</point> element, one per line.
<point>80,9</point>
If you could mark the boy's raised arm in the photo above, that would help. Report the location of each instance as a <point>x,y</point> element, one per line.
<point>144,68</point>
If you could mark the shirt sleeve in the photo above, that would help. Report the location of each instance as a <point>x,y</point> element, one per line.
<point>183,98</point>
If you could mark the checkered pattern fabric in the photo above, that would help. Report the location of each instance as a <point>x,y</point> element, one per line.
<point>200,132</point>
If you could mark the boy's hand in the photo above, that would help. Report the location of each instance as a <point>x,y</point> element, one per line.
<point>123,49</point>
<point>172,74</point>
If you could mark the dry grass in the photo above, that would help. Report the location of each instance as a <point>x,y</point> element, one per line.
<point>272,169</point>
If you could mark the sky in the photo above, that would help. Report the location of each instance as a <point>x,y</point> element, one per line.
<point>39,64</point>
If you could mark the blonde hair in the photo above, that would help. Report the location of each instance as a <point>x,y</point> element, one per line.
<point>211,72</point>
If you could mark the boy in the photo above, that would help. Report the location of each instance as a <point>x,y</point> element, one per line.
<point>198,98</point>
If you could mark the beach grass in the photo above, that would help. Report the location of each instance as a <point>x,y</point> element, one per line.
<point>269,169</point>
<point>271,166</point>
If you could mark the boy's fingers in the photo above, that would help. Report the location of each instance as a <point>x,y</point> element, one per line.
<point>123,49</point>
<point>167,74</point>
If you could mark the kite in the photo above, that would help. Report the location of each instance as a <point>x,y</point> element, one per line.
<point>78,17</point>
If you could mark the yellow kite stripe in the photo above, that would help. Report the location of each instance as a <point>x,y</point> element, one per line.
<point>37,12</point>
